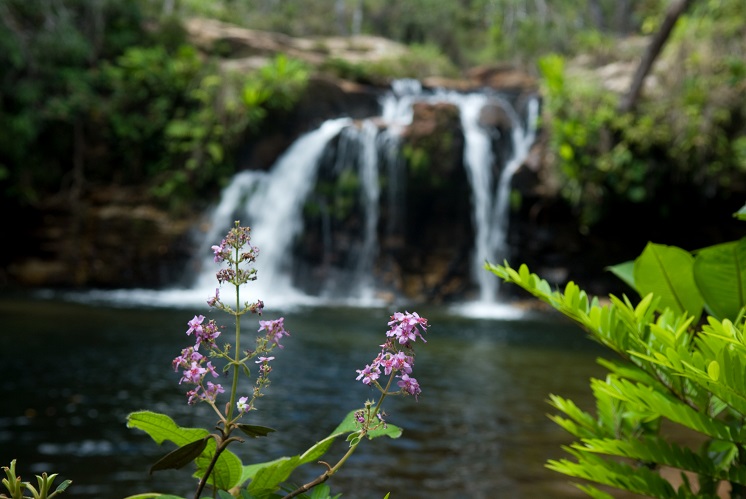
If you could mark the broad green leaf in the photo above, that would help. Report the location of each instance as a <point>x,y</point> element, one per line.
<point>180,457</point>
<point>624,271</point>
<point>227,470</point>
<point>713,370</point>
<point>255,431</point>
<point>720,274</point>
<point>161,428</point>
<point>317,450</point>
<point>666,271</point>
<point>267,476</point>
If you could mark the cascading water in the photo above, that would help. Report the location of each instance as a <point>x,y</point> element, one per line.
<point>478,163</point>
<point>272,203</point>
<point>274,211</point>
<point>523,138</point>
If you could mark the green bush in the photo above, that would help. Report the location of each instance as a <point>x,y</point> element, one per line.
<point>688,132</point>
<point>672,373</point>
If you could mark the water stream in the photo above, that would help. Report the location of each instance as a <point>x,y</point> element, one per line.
<point>272,203</point>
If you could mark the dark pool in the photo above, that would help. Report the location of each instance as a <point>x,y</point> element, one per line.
<point>73,371</point>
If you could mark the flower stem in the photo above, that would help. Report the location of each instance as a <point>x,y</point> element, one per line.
<point>333,469</point>
<point>237,349</point>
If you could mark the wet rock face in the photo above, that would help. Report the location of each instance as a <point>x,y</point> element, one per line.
<point>114,239</point>
<point>433,143</point>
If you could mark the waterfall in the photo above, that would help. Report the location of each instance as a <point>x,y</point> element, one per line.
<point>272,202</point>
<point>362,164</point>
<point>478,163</point>
<point>273,211</point>
<point>523,137</point>
<point>370,194</point>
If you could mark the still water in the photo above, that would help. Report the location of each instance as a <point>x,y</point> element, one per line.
<point>72,372</point>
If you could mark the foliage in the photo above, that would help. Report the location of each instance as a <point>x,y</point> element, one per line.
<point>688,131</point>
<point>47,53</point>
<point>86,103</point>
<point>275,87</point>
<point>673,370</point>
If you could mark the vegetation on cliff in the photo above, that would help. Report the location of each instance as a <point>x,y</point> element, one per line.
<point>94,94</point>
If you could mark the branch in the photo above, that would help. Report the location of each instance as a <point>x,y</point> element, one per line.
<point>675,10</point>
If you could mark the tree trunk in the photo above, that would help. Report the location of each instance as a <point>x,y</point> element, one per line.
<point>675,10</point>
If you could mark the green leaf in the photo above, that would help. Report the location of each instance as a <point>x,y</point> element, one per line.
<point>228,469</point>
<point>180,457</point>
<point>741,214</point>
<point>161,428</point>
<point>713,370</point>
<point>720,274</point>
<point>625,272</point>
<point>255,431</point>
<point>349,424</point>
<point>63,486</point>
<point>667,272</point>
<point>266,477</point>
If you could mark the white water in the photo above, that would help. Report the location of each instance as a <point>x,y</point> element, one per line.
<point>370,194</point>
<point>478,160</point>
<point>274,214</point>
<point>272,202</point>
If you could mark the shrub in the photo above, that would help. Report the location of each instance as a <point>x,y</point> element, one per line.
<point>670,369</point>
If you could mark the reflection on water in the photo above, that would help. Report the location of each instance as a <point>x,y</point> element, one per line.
<point>73,372</point>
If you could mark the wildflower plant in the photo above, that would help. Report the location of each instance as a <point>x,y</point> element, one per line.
<point>199,365</point>
<point>20,490</point>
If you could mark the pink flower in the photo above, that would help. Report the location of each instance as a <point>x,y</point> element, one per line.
<point>406,327</point>
<point>369,374</point>
<point>212,391</point>
<point>397,356</point>
<point>193,374</point>
<point>188,355</point>
<point>207,334</point>
<point>275,330</point>
<point>220,251</point>
<point>195,325</point>
<point>213,300</point>
<point>409,385</point>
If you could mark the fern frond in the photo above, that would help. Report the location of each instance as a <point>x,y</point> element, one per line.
<point>639,480</point>
<point>670,408</point>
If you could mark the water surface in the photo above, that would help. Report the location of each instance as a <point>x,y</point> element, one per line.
<point>74,371</point>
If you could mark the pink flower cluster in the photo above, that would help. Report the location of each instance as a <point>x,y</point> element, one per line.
<point>275,330</point>
<point>206,334</point>
<point>237,239</point>
<point>192,362</point>
<point>397,355</point>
